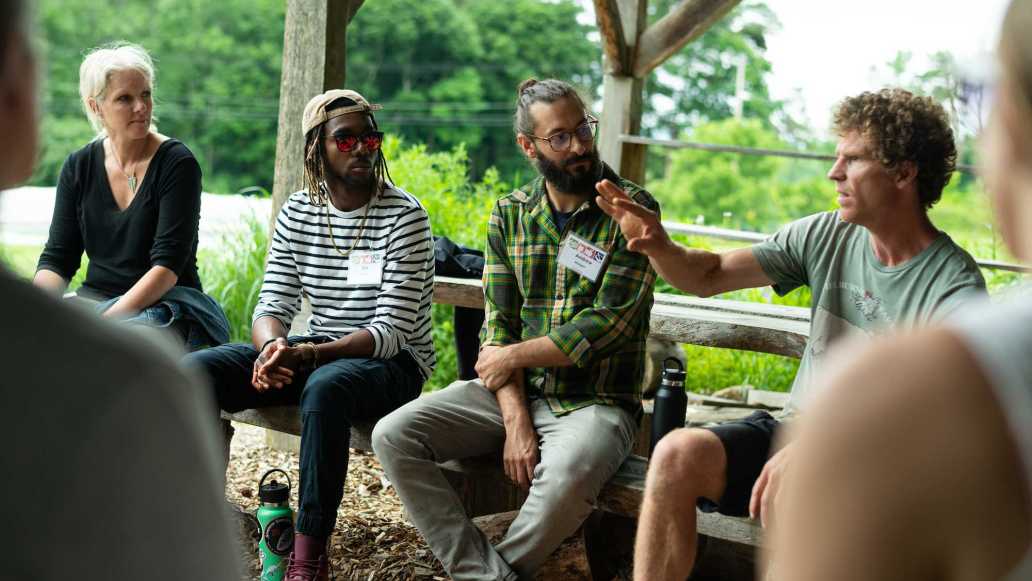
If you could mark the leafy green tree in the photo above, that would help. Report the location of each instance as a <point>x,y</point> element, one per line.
<point>218,71</point>
<point>454,82</point>
<point>699,82</point>
<point>446,69</point>
<point>744,192</point>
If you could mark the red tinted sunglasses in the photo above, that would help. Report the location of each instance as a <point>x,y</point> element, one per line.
<point>371,140</point>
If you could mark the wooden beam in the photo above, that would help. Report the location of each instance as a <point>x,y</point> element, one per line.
<point>314,60</point>
<point>684,23</point>
<point>353,8</point>
<point>622,92</point>
<point>614,44</point>
<point>632,161</point>
<point>621,113</point>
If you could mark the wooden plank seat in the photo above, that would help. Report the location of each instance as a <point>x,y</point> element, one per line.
<point>774,329</point>
<point>710,322</point>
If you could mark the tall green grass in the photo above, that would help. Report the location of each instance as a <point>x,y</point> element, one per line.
<point>232,273</point>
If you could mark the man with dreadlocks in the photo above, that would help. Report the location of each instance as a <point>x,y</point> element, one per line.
<point>567,313</point>
<point>360,249</point>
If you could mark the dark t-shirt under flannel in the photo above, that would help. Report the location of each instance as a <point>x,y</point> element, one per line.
<point>601,326</point>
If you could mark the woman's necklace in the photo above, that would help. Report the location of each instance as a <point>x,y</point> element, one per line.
<point>130,177</point>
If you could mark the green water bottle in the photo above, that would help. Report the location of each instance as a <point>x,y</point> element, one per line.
<point>277,522</point>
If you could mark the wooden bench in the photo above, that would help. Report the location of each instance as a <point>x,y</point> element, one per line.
<point>709,322</point>
<point>774,329</point>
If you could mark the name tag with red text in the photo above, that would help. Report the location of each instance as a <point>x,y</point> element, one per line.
<point>365,267</point>
<point>582,257</point>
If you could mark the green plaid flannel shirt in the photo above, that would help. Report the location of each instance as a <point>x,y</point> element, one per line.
<point>600,326</point>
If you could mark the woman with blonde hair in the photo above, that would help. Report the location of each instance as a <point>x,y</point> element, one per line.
<point>918,464</point>
<point>131,200</point>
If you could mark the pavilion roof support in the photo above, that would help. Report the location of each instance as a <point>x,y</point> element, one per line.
<point>684,23</point>
<point>621,23</point>
<point>631,52</point>
<point>314,60</point>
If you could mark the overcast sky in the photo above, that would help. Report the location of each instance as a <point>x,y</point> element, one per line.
<point>827,49</point>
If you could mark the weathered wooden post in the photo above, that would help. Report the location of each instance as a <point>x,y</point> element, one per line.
<point>631,53</point>
<point>314,59</point>
<point>621,23</point>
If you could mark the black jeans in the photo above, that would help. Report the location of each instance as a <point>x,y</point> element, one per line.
<point>330,398</point>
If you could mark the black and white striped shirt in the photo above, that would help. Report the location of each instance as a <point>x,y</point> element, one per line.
<point>302,259</point>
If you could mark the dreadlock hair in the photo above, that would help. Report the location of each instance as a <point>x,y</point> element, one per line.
<point>315,160</point>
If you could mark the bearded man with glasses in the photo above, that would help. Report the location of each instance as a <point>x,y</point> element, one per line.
<point>567,314</point>
<point>360,249</point>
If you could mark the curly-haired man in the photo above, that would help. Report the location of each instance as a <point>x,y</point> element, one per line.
<point>878,261</point>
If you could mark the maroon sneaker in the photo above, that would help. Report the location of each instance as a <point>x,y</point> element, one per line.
<point>307,569</point>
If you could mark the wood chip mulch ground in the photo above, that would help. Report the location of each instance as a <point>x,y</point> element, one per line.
<point>372,539</point>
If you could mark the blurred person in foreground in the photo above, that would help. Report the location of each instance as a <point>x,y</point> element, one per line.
<point>131,199</point>
<point>876,263</point>
<point>936,425</point>
<point>109,459</point>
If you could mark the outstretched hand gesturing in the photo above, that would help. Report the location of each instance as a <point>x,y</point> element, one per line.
<point>640,226</point>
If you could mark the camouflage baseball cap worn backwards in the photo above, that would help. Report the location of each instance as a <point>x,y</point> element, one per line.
<point>316,114</point>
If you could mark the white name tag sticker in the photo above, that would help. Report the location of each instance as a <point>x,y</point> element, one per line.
<point>582,257</point>
<point>365,267</point>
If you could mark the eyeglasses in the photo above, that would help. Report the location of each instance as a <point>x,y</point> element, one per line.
<point>371,140</point>
<point>585,133</point>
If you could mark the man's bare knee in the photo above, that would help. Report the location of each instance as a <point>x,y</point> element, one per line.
<point>691,460</point>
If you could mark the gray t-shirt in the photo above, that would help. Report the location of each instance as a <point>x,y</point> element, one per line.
<point>1000,338</point>
<point>854,294</point>
<point>110,463</point>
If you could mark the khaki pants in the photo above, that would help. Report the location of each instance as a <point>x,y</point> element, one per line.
<point>579,452</point>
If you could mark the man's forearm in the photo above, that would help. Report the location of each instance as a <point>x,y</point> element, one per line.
<point>688,269</point>
<point>265,329</point>
<point>357,344</point>
<point>512,400</point>
<point>539,352</point>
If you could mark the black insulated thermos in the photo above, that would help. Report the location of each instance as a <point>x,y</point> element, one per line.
<point>671,402</point>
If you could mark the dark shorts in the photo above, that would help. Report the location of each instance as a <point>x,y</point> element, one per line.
<point>747,443</point>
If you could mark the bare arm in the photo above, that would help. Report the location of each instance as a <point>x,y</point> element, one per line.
<point>699,272</point>
<point>147,291</point>
<point>496,365</point>
<point>357,344</point>
<point>266,328</point>
<point>50,281</point>
<point>278,361</point>
<point>705,273</point>
<point>520,454</point>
